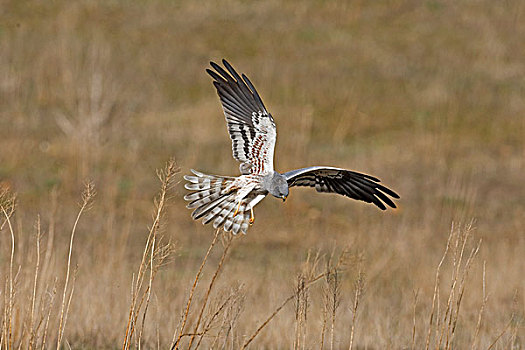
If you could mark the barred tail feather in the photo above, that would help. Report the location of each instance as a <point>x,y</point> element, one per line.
<point>214,201</point>
<point>245,222</point>
<point>239,219</point>
<point>227,208</point>
<point>228,202</point>
<point>208,207</point>
<point>209,192</point>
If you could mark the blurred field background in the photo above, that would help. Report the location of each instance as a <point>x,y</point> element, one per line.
<point>429,96</point>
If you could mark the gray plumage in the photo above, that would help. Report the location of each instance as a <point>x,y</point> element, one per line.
<point>276,184</point>
<point>228,201</point>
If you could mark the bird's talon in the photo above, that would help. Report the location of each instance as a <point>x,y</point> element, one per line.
<point>237,210</point>
<point>252,217</point>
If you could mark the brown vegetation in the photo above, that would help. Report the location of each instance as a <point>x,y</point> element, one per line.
<point>427,96</point>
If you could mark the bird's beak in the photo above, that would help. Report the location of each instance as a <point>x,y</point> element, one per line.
<point>284,198</point>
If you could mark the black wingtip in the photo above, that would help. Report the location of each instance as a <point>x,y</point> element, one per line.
<point>215,76</point>
<point>227,64</point>
<point>232,71</point>
<point>214,65</point>
<point>388,191</point>
<point>392,194</point>
<point>380,205</point>
<point>224,62</point>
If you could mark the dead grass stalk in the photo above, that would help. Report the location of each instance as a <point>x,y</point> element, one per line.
<point>180,333</point>
<point>228,241</point>
<point>87,196</point>
<point>153,257</point>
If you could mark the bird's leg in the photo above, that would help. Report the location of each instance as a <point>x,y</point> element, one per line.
<point>252,217</point>
<point>237,210</point>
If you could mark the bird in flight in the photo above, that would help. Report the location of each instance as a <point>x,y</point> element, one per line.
<point>227,201</point>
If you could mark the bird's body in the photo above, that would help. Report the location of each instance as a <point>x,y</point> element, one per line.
<point>229,201</point>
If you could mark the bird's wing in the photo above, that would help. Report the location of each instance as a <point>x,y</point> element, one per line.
<point>251,127</point>
<point>345,182</point>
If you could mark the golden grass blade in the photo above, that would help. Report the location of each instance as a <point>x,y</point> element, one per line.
<point>33,296</point>
<point>153,257</point>
<point>193,287</point>
<point>436,288</point>
<point>359,286</point>
<point>229,240</point>
<point>475,340</point>
<point>87,196</point>
<point>7,205</point>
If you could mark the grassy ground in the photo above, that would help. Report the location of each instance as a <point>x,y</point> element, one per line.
<point>427,96</point>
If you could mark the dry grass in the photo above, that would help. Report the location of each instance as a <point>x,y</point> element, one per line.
<point>428,96</point>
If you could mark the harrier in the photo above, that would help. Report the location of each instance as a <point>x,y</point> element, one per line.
<point>229,201</point>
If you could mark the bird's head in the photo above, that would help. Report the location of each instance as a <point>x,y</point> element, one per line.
<point>278,186</point>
